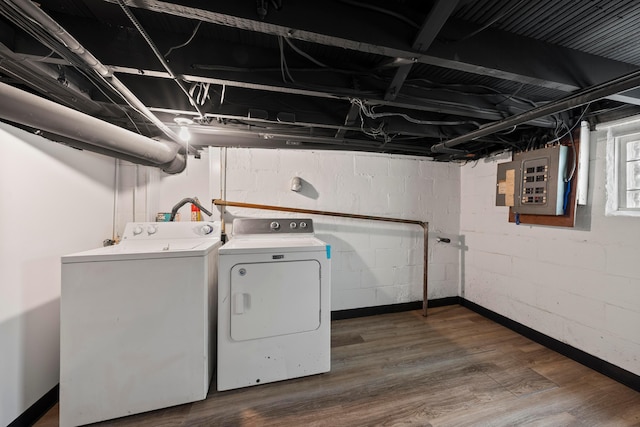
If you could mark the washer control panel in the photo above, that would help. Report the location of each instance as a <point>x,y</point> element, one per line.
<point>171,230</point>
<point>272,226</point>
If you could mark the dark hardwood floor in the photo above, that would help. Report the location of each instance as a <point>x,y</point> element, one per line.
<point>453,368</point>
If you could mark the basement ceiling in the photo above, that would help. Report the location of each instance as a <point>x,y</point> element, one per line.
<point>395,76</point>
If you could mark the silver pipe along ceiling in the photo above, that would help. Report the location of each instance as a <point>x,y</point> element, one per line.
<point>22,107</point>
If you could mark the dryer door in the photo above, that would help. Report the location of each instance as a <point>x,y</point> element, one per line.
<point>274,298</point>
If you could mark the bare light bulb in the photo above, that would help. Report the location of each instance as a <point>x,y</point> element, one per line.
<point>184,134</point>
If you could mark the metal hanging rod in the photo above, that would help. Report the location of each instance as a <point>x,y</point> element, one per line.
<point>423,224</point>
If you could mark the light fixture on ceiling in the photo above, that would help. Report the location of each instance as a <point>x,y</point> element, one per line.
<point>184,133</point>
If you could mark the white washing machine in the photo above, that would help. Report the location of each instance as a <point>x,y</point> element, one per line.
<point>274,303</point>
<point>138,322</point>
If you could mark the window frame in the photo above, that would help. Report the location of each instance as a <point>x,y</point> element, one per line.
<point>616,176</point>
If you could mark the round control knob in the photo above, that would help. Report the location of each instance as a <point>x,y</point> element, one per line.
<point>206,229</point>
<point>303,225</point>
<point>137,230</point>
<point>152,229</point>
<point>293,225</point>
<point>274,225</point>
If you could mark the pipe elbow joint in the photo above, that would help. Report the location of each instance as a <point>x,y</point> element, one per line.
<point>177,165</point>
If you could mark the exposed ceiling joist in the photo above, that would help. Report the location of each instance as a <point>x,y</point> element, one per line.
<point>350,120</point>
<point>394,77</point>
<point>489,53</point>
<point>440,12</point>
<point>461,105</point>
<point>583,97</point>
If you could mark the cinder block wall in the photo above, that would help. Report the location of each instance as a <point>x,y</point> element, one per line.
<point>580,286</point>
<point>373,263</point>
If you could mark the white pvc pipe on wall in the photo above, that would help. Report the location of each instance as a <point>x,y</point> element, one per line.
<point>583,164</point>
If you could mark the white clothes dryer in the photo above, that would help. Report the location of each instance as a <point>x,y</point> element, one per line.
<point>274,303</point>
<point>138,322</point>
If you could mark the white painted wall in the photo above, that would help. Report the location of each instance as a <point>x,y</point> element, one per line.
<point>580,286</point>
<point>144,191</point>
<point>54,200</point>
<point>373,263</point>
<point>201,179</point>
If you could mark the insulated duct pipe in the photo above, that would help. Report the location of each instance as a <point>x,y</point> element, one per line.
<point>33,12</point>
<point>576,99</point>
<point>31,110</point>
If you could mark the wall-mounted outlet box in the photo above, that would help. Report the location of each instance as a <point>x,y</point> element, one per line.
<point>533,183</point>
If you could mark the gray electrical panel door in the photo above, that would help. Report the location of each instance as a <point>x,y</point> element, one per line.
<point>534,182</point>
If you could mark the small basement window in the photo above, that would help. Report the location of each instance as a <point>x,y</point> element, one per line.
<point>623,174</point>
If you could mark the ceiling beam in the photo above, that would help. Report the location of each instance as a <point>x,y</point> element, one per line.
<point>437,102</point>
<point>130,60</point>
<point>511,57</point>
<point>585,96</point>
<point>507,56</point>
<point>427,34</point>
<point>349,121</point>
<point>294,140</point>
<point>44,79</point>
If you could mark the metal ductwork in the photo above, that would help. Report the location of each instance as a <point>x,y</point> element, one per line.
<point>33,12</point>
<point>22,107</point>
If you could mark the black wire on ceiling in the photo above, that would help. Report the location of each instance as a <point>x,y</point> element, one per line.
<point>287,77</point>
<point>304,54</point>
<point>193,34</point>
<point>491,22</point>
<point>90,76</point>
<point>452,87</point>
<point>608,110</point>
<point>382,10</point>
<point>377,131</point>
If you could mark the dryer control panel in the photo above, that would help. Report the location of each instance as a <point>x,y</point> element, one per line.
<point>243,226</point>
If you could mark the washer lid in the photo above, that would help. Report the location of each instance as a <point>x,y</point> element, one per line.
<point>147,249</point>
<point>268,245</point>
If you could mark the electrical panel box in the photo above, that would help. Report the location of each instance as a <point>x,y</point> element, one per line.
<point>533,183</point>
